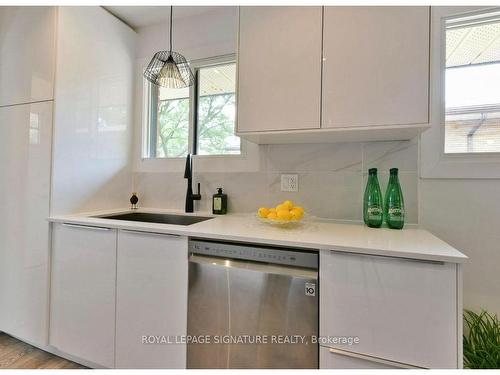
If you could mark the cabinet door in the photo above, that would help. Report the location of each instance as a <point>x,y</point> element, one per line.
<point>401,310</point>
<point>376,66</point>
<point>152,282</point>
<point>82,309</point>
<point>25,155</point>
<point>331,359</point>
<point>279,68</point>
<point>27,54</point>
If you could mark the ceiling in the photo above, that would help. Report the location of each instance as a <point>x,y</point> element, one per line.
<point>140,16</point>
<point>473,42</point>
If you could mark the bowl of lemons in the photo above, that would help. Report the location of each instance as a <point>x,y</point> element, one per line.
<point>284,214</point>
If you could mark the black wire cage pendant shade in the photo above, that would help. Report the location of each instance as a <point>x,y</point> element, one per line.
<point>168,68</point>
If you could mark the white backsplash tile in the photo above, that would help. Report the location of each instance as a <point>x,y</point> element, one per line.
<point>334,195</point>
<point>314,157</point>
<point>394,154</point>
<point>332,179</point>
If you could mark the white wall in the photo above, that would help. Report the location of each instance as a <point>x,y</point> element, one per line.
<point>93,111</point>
<point>466,214</point>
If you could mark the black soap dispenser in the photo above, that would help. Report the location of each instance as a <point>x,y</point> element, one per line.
<point>219,203</point>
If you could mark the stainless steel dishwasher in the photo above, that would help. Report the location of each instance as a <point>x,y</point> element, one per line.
<point>251,307</point>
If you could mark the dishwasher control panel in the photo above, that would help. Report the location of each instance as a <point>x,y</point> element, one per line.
<point>306,259</point>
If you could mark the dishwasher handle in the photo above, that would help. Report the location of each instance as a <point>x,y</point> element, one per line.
<point>269,268</point>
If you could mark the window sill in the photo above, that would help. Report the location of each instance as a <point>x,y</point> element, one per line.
<point>248,161</point>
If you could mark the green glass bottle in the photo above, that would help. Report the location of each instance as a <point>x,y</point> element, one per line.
<point>372,202</point>
<point>394,209</point>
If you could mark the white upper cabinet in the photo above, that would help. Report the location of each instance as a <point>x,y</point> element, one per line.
<point>27,53</point>
<point>279,68</point>
<point>376,66</point>
<point>332,74</point>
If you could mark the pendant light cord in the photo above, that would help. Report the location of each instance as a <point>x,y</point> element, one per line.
<point>171,21</point>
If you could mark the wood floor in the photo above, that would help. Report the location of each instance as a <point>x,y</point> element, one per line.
<point>15,354</point>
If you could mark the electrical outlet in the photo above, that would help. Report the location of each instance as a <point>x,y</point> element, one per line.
<point>289,182</point>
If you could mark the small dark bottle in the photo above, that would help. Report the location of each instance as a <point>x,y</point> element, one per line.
<point>133,201</point>
<point>219,203</point>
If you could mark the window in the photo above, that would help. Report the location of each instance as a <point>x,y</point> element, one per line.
<point>217,111</point>
<point>199,119</point>
<point>472,81</point>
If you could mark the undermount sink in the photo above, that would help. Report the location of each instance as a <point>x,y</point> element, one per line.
<point>148,217</point>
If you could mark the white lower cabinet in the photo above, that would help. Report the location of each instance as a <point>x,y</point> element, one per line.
<point>152,285</point>
<point>402,310</point>
<point>83,286</point>
<point>333,359</point>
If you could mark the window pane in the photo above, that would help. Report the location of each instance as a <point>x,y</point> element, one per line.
<point>472,82</point>
<point>172,133</point>
<point>217,111</point>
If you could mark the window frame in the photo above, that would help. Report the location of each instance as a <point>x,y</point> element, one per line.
<point>149,148</point>
<point>434,162</point>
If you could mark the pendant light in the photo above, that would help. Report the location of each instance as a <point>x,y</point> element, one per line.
<point>168,68</point>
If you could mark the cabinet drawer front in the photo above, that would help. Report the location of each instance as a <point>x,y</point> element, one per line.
<point>82,307</point>
<point>152,282</point>
<point>279,68</point>
<point>331,359</point>
<point>402,310</point>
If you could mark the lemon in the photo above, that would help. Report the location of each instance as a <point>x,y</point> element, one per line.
<point>296,214</point>
<point>281,207</point>
<point>284,215</point>
<point>263,212</point>
<point>272,209</point>
<point>288,204</point>
<point>272,216</point>
<point>298,208</point>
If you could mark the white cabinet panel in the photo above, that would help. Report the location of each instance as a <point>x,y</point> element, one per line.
<point>152,282</point>
<point>376,66</point>
<point>82,308</point>
<point>93,115</point>
<point>402,310</point>
<point>279,68</point>
<point>25,153</point>
<point>328,359</point>
<point>27,54</point>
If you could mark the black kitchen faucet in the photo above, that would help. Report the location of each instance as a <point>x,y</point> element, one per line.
<point>190,197</point>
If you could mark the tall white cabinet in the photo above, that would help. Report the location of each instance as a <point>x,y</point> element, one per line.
<point>84,166</point>
<point>27,54</point>
<point>27,38</point>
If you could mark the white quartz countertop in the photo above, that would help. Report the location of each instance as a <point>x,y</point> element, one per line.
<point>313,234</point>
